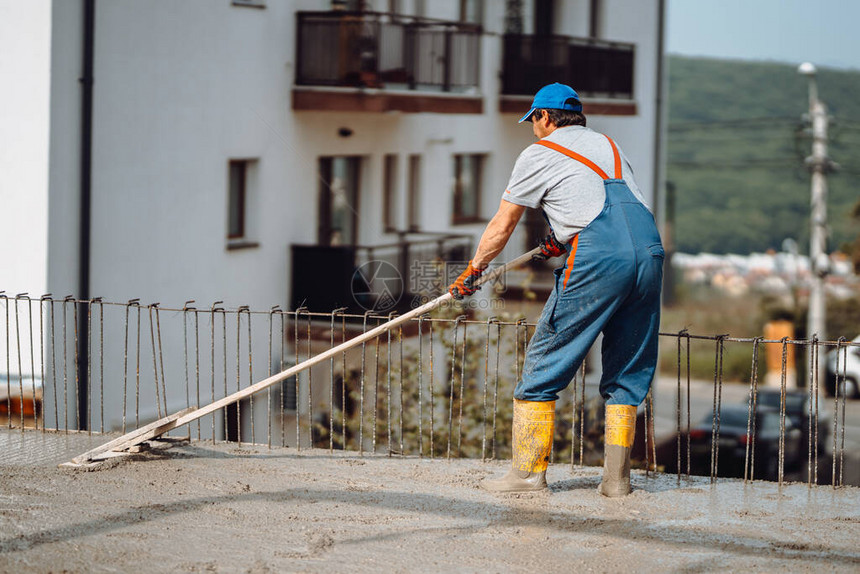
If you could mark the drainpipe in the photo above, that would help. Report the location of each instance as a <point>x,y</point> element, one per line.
<point>86,144</point>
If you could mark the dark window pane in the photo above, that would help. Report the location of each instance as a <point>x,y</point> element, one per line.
<point>236,202</point>
<point>390,205</point>
<point>467,186</point>
<point>338,200</point>
<point>414,191</point>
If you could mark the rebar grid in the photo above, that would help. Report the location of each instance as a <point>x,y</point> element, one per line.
<point>483,356</point>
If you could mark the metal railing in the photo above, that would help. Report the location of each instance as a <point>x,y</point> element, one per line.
<point>438,386</point>
<point>594,67</point>
<point>379,50</point>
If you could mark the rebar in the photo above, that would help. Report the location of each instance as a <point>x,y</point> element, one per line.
<point>462,396</point>
<point>749,449</point>
<point>8,365</point>
<point>466,394</point>
<point>296,382</point>
<point>718,396</point>
<point>782,384</point>
<point>432,395</point>
<point>376,392</point>
<point>678,406</point>
<point>155,362</point>
<point>400,386</point>
<point>33,363</point>
<point>361,387</point>
<point>42,359</point>
<point>452,384</point>
<point>20,366</point>
<point>496,383</point>
<point>838,382</point>
<point>816,382</point>
<point>420,388</point>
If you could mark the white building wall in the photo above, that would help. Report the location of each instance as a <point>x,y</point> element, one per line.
<point>25,58</point>
<point>25,43</point>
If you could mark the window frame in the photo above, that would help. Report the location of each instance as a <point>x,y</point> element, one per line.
<point>413,199</point>
<point>246,204</point>
<point>457,217</point>
<point>324,208</point>
<point>242,200</point>
<point>390,203</point>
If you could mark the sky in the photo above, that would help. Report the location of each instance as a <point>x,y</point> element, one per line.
<point>824,32</point>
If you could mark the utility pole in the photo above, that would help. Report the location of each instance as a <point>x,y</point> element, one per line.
<point>819,164</point>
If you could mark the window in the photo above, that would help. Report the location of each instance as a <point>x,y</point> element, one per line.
<point>467,187</point>
<point>240,199</point>
<point>390,203</point>
<point>596,19</point>
<point>350,5</point>
<point>472,11</point>
<point>414,200</point>
<point>544,11</point>
<point>338,200</point>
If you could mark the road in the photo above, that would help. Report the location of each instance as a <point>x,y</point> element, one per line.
<point>702,400</point>
<point>701,405</point>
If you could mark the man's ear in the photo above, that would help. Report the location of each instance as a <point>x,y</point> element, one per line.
<point>545,118</point>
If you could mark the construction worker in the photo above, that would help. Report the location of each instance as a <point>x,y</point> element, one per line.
<point>610,283</point>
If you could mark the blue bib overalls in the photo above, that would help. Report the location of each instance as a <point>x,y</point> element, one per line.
<point>610,283</point>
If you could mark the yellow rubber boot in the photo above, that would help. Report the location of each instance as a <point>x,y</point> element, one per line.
<point>617,443</point>
<point>534,423</point>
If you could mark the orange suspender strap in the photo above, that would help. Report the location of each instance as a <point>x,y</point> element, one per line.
<point>617,158</point>
<point>587,162</point>
<point>582,159</point>
<point>570,259</point>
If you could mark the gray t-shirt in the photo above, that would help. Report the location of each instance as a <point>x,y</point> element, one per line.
<point>570,193</point>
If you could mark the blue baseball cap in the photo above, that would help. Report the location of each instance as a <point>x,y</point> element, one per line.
<point>555,97</point>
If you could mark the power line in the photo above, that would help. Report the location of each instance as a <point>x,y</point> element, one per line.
<point>743,122</point>
<point>772,162</point>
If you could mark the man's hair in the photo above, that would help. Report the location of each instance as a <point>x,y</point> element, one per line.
<point>563,118</point>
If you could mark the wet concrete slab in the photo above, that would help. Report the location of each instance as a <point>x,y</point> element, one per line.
<point>35,448</point>
<point>230,508</point>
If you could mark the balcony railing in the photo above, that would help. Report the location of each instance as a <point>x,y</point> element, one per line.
<point>387,277</point>
<point>597,68</point>
<point>375,50</point>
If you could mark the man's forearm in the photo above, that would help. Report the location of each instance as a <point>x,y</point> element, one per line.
<point>492,243</point>
<point>496,235</point>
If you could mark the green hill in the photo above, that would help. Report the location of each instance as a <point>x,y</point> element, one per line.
<point>736,145</point>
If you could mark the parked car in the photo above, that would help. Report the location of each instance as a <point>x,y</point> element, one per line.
<point>849,365</point>
<point>733,440</point>
<point>797,408</point>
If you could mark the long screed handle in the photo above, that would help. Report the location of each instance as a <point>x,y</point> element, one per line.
<point>355,341</point>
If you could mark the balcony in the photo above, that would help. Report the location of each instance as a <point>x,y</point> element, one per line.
<point>602,72</point>
<point>368,61</point>
<point>395,276</point>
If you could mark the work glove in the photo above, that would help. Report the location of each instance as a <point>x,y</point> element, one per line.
<point>549,247</point>
<point>465,283</point>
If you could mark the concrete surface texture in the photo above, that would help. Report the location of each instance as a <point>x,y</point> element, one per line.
<point>230,508</point>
